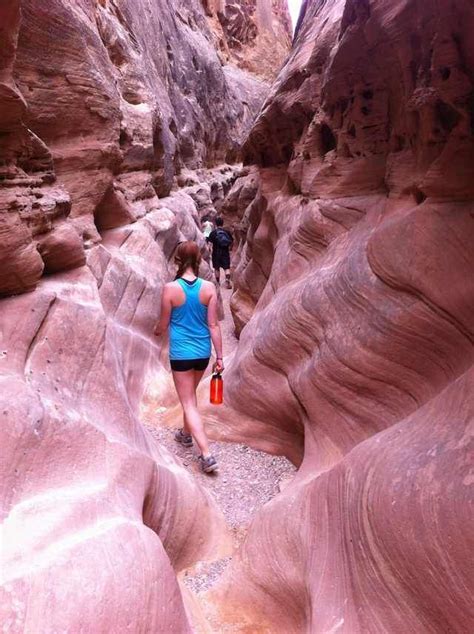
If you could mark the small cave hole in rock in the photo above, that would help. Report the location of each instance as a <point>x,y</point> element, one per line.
<point>368,94</point>
<point>122,137</point>
<point>328,140</point>
<point>419,196</point>
<point>232,156</point>
<point>445,73</point>
<point>365,111</point>
<point>448,117</point>
<point>352,131</point>
<point>173,127</point>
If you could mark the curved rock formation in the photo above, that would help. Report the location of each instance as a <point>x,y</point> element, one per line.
<point>88,500</point>
<point>114,119</point>
<point>122,98</point>
<point>355,280</point>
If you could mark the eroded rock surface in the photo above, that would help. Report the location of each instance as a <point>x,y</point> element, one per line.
<point>355,302</point>
<point>115,120</point>
<point>88,499</point>
<point>103,106</point>
<point>255,34</point>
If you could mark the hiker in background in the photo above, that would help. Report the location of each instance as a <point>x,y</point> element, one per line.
<point>221,241</point>
<point>207,226</point>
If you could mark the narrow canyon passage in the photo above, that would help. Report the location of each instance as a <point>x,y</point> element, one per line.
<point>246,479</point>
<point>342,161</point>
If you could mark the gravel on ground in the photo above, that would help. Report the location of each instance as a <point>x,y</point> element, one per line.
<point>246,480</point>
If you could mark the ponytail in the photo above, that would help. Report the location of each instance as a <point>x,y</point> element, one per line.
<point>187,255</point>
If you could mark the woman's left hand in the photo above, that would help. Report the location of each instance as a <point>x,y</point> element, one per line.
<point>218,366</point>
<point>157,331</point>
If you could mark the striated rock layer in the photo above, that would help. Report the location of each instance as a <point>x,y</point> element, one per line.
<point>97,519</point>
<point>355,303</point>
<point>102,106</point>
<point>115,118</point>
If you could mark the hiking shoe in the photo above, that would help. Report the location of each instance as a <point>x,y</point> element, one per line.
<point>208,465</point>
<point>185,439</point>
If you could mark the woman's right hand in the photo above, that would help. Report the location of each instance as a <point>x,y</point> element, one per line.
<point>218,366</point>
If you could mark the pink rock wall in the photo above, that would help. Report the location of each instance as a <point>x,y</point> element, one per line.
<point>96,518</point>
<point>355,277</point>
<point>114,119</point>
<point>102,107</point>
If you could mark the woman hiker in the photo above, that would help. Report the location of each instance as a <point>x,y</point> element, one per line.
<point>189,309</point>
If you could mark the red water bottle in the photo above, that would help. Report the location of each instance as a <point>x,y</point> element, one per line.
<point>216,395</point>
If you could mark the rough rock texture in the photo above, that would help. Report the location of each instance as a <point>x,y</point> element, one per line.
<point>255,34</point>
<point>356,281</point>
<point>114,119</point>
<point>102,105</point>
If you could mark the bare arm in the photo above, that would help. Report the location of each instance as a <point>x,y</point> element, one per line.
<point>165,312</point>
<point>215,330</point>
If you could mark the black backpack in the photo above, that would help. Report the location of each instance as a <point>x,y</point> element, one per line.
<point>223,239</point>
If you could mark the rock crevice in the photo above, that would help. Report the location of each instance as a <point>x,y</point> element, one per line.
<point>122,124</point>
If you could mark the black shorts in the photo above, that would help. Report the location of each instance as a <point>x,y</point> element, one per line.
<point>220,260</point>
<point>183,365</point>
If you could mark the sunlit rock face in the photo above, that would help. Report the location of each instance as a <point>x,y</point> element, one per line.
<point>115,118</point>
<point>355,303</point>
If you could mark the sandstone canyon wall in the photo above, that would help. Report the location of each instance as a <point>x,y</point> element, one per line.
<point>354,302</point>
<point>255,34</point>
<point>103,104</point>
<point>115,117</point>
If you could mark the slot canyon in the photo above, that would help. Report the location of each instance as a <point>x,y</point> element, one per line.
<point>341,157</point>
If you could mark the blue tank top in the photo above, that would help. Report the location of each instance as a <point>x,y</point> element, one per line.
<point>189,333</point>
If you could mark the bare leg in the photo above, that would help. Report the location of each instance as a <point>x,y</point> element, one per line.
<point>198,374</point>
<point>186,388</point>
<point>185,424</point>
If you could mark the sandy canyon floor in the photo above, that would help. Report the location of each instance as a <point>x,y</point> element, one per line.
<point>246,480</point>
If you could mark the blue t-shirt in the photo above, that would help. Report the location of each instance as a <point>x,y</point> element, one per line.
<point>189,333</point>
